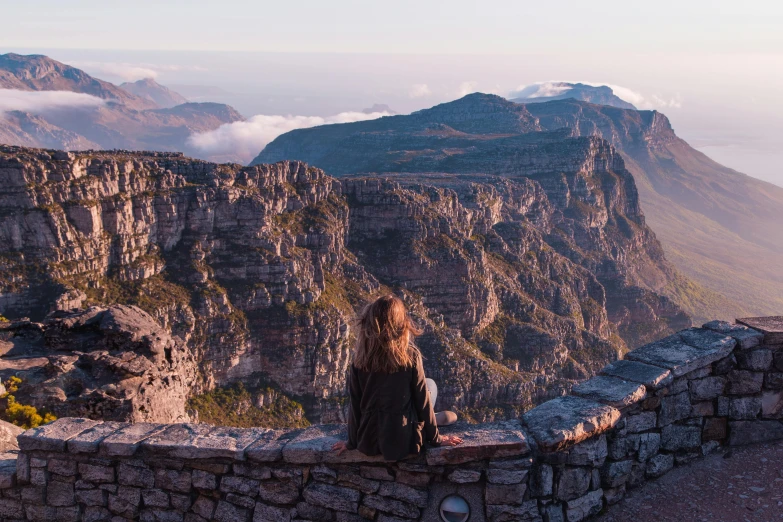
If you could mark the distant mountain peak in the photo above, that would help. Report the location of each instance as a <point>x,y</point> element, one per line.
<point>143,115</point>
<point>151,90</point>
<point>379,107</point>
<point>480,101</point>
<point>549,91</point>
<point>36,72</point>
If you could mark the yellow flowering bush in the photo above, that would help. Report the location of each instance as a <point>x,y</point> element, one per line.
<point>22,415</point>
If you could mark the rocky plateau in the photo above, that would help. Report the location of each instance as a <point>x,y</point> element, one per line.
<point>148,277</point>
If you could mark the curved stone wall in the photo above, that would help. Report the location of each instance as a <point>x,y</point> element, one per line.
<point>667,403</point>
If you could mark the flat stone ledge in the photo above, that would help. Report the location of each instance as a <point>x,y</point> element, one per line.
<point>611,391</point>
<point>653,377</point>
<point>202,441</point>
<point>746,337</point>
<point>303,446</point>
<point>55,435</point>
<point>565,421</point>
<point>89,440</point>
<point>771,327</point>
<point>313,445</point>
<point>269,446</point>
<point>482,441</point>
<point>125,441</point>
<point>685,351</point>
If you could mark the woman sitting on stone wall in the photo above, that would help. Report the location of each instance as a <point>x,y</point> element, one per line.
<point>391,410</point>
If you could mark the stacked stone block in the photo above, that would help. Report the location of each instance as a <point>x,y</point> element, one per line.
<point>667,403</point>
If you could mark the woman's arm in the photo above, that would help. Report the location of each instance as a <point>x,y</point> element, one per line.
<point>423,405</point>
<point>355,411</point>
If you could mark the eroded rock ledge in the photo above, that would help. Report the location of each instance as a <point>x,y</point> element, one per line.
<point>667,403</point>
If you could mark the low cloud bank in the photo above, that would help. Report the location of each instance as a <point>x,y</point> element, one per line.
<point>419,90</point>
<point>466,88</point>
<point>38,102</point>
<point>556,88</point>
<point>541,90</point>
<point>245,139</point>
<point>130,72</point>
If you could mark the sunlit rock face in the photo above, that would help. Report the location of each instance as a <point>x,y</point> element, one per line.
<point>523,284</point>
<point>114,363</point>
<point>563,149</point>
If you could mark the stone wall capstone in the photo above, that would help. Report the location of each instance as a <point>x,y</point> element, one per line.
<point>666,404</point>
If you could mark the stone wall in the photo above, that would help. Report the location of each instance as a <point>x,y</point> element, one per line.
<point>667,403</point>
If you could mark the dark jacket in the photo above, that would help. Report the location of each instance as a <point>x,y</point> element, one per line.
<point>391,413</point>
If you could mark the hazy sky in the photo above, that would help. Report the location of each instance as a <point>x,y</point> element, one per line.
<point>403,26</point>
<point>714,67</point>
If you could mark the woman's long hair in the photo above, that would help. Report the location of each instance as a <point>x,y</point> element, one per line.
<point>384,342</point>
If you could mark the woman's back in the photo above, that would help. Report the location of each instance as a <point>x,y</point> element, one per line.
<point>387,392</point>
<point>391,413</point>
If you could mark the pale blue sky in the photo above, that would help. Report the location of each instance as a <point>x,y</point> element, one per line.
<point>714,67</point>
<point>402,26</point>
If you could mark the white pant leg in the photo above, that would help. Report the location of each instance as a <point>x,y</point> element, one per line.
<point>433,389</point>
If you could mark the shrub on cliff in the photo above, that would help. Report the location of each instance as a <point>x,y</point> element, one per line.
<point>236,406</point>
<point>22,415</point>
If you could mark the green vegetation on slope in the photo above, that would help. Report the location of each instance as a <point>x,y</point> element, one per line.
<point>721,238</point>
<point>234,406</point>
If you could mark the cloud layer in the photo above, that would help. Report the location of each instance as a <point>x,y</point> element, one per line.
<point>245,139</point>
<point>556,88</point>
<point>419,90</point>
<point>466,88</point>
<point>541,90</point>
<point>38,102</point>
<point>131,72</point>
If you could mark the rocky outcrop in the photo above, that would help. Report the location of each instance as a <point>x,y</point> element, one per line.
<point>213,260</point>
<point>115,364</point>
<point>8,434</point>
<point>259,270</point>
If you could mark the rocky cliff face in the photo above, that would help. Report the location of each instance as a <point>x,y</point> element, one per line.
<point>600,225</point>
<point>688,199</point>
<point>258,270</point>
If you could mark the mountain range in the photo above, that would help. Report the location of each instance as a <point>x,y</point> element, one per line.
<point>139,116</point>
<point>718,227</point>
<point>533,241</point>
